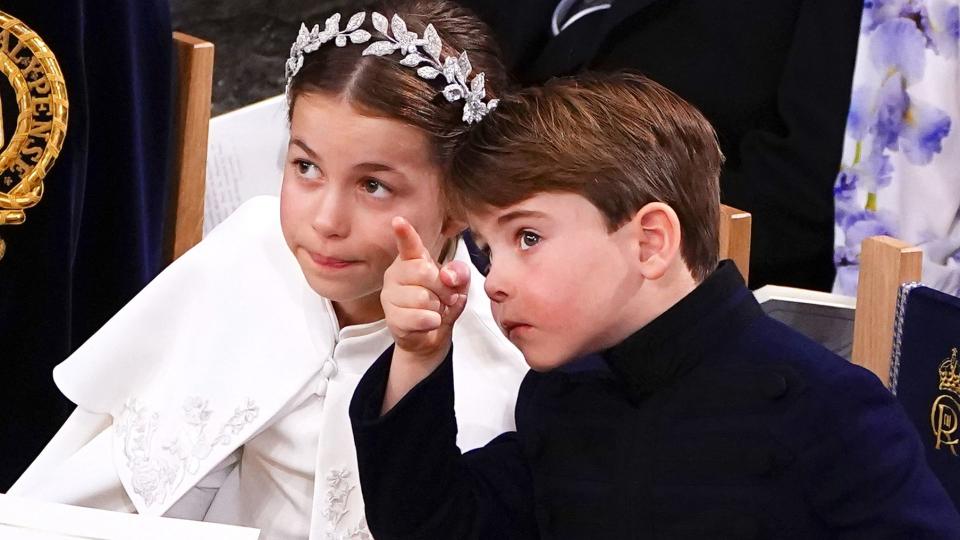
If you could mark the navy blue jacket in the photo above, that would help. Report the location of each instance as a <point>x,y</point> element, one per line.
<point>713,421</point>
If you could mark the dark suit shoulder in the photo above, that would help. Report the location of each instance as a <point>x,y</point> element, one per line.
<point>770,344</point>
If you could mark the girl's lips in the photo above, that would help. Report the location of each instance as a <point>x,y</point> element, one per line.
<point>330,262</point>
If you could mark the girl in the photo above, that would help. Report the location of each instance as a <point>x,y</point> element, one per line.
<point>221,391</point>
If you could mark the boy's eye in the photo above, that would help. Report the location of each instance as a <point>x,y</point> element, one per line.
<point>307,170</point>
<point>375,188</point>
<point>528,239</point>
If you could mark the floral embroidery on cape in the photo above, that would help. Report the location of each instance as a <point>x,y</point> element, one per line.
<point>157,472</point>
<point>336,506</point>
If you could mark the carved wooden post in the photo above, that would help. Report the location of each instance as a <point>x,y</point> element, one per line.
<point>885,264</point>
<point>735,238</point>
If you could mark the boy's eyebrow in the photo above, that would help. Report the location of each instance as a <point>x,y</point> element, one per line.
<point>517,214</point>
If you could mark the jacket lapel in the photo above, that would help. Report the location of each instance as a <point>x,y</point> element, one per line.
<point>575,47</point>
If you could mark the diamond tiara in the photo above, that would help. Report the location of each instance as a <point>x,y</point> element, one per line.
<point>421,53</point>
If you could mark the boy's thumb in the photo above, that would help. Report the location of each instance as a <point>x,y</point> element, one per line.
<point>456,276</point>
<point>453,311</point>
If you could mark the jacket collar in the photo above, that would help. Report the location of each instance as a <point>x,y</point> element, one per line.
<point>679,339</point>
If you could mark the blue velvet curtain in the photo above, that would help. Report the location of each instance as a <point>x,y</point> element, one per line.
<point>95,239</point>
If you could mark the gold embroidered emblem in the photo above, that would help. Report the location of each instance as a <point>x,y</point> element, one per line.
<point>945,413</point>
<point>27,155</point>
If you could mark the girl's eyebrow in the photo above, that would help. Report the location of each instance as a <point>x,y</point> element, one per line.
<point>303,146</point>
<point>368,166</point>
<point>375,167</point>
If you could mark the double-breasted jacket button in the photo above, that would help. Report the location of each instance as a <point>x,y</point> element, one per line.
<point>774,387</point>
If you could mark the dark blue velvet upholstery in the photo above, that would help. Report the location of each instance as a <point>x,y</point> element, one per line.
<point>931,330</point>
<point>95,238</point>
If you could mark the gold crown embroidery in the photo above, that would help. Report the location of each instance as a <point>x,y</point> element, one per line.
<point>41,124</point>
<point>949,377</point>
<point>945,412</point>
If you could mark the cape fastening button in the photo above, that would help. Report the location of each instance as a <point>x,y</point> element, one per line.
<point>329,369</point>
<point>322,387</point>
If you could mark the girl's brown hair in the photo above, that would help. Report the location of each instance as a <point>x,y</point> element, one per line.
<point>380,86</point>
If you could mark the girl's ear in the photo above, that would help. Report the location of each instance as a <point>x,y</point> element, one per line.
<point>450,232</point>
<point>658,238</point>
<point>453,226</point>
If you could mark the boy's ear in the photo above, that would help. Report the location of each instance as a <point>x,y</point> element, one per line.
<point>658,237</point>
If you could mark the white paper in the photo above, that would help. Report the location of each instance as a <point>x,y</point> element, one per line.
<point>245,154</point>
<point>25,519</point>
<point>826,318</point>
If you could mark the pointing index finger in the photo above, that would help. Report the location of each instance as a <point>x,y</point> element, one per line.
<point>409,244</point>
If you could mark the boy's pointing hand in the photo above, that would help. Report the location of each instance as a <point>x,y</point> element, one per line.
<point>421,301</point>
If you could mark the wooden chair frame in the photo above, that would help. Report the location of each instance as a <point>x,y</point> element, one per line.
<point>885,264</point>
<point>194,88</point>
<point>735,238</point>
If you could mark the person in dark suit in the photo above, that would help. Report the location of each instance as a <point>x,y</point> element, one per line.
<point>597,200</point>
<point>774,78</point>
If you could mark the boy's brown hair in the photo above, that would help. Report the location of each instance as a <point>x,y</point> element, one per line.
<point>620,140</point>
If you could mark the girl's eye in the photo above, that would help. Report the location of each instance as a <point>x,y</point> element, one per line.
<point>528,239</point>
<point>307,170</point>
<point>376,188</point>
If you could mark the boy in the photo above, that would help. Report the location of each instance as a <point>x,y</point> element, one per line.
<point>597,202</point>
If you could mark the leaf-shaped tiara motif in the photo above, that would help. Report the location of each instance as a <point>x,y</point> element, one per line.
<point>422,53</point>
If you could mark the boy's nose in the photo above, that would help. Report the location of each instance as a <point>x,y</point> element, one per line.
<point>493,286</point>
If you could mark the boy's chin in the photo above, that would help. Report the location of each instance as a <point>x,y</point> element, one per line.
<point>543,361</point>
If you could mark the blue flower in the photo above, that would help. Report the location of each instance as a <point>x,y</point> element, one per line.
<point>942,27</point>
<point>858,226</point>
<point>876,170</point>
<point>877,12</point>
<point>846,185</point>
<point>871,173</point>
<point>862,114</point>
<point>891,107</point>
<point>898,45</point>
<point>924,130</point>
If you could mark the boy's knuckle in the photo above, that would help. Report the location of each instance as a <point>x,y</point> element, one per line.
<point>425,271</point>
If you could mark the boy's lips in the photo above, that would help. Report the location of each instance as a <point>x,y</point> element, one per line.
<point>513,328</point>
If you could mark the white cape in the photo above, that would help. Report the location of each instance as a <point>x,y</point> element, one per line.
<point>207,355</point>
